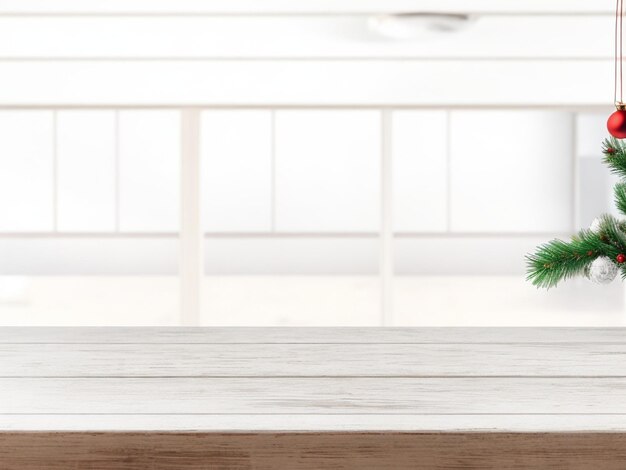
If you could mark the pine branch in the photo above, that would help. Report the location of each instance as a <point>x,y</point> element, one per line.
<point>620,197</point>
<point>614,152</point>
<point>559,260</point>
<point>612,233</point>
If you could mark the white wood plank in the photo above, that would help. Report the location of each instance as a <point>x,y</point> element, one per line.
<point>251,335</point>
<point>86,171</point>
<point>298,37</point>
<point>316,83</point>
<point>26,171</point>
<point>236,150</point>
<point>149,147</point>
<point>543,398</point>
<point>385,395</point>
<point>528,187</point>
<point>307,6</point>
<point>316,422</point>
<point>327,170</point>
<point>306,360</point>
<point>420,169</point>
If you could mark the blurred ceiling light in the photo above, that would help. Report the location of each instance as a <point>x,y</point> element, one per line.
<point>416,25</point>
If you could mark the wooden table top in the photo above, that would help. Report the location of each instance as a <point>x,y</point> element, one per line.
<point>313,379</point>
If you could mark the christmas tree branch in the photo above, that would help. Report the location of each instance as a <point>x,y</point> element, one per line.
<point>612,233</point>
<point>620,197</point>
<point>598,252</point>
<point>559,260</point>
<point>614,152</point>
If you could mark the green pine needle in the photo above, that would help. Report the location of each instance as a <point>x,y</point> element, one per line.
<point>559,260</point>
<point>614,152</point>
<point>620,197</point>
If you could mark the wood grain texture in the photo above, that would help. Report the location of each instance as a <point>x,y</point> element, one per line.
<point>300,451</point>
<point>313,360</point>
<point>315,422</point>
<point>343,335</point>
<point>257,396</point>
<point>321,379</point>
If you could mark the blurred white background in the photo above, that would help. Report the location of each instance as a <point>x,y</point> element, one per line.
<point>362,163</point>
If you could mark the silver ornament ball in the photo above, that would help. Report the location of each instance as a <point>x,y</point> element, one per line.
<point>602,270</point>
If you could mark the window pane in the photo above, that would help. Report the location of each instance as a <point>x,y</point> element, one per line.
<point>420,171</point>
<point>149,146</point>
<point>509,173</point>
<point>86,171</point>
<point>26,171</point>
<point>106,279</point>
<point>327,171</point>
<point>325,179</point>
<point>236,170</point>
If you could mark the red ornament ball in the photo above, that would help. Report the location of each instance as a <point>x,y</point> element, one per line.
<point>617,124</point>
<point>620,258</point>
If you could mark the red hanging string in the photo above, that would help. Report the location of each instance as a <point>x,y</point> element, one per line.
<point>619,16</point>
<point>616,124</point>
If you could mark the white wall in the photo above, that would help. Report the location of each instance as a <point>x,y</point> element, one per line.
<point>495,137</point>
